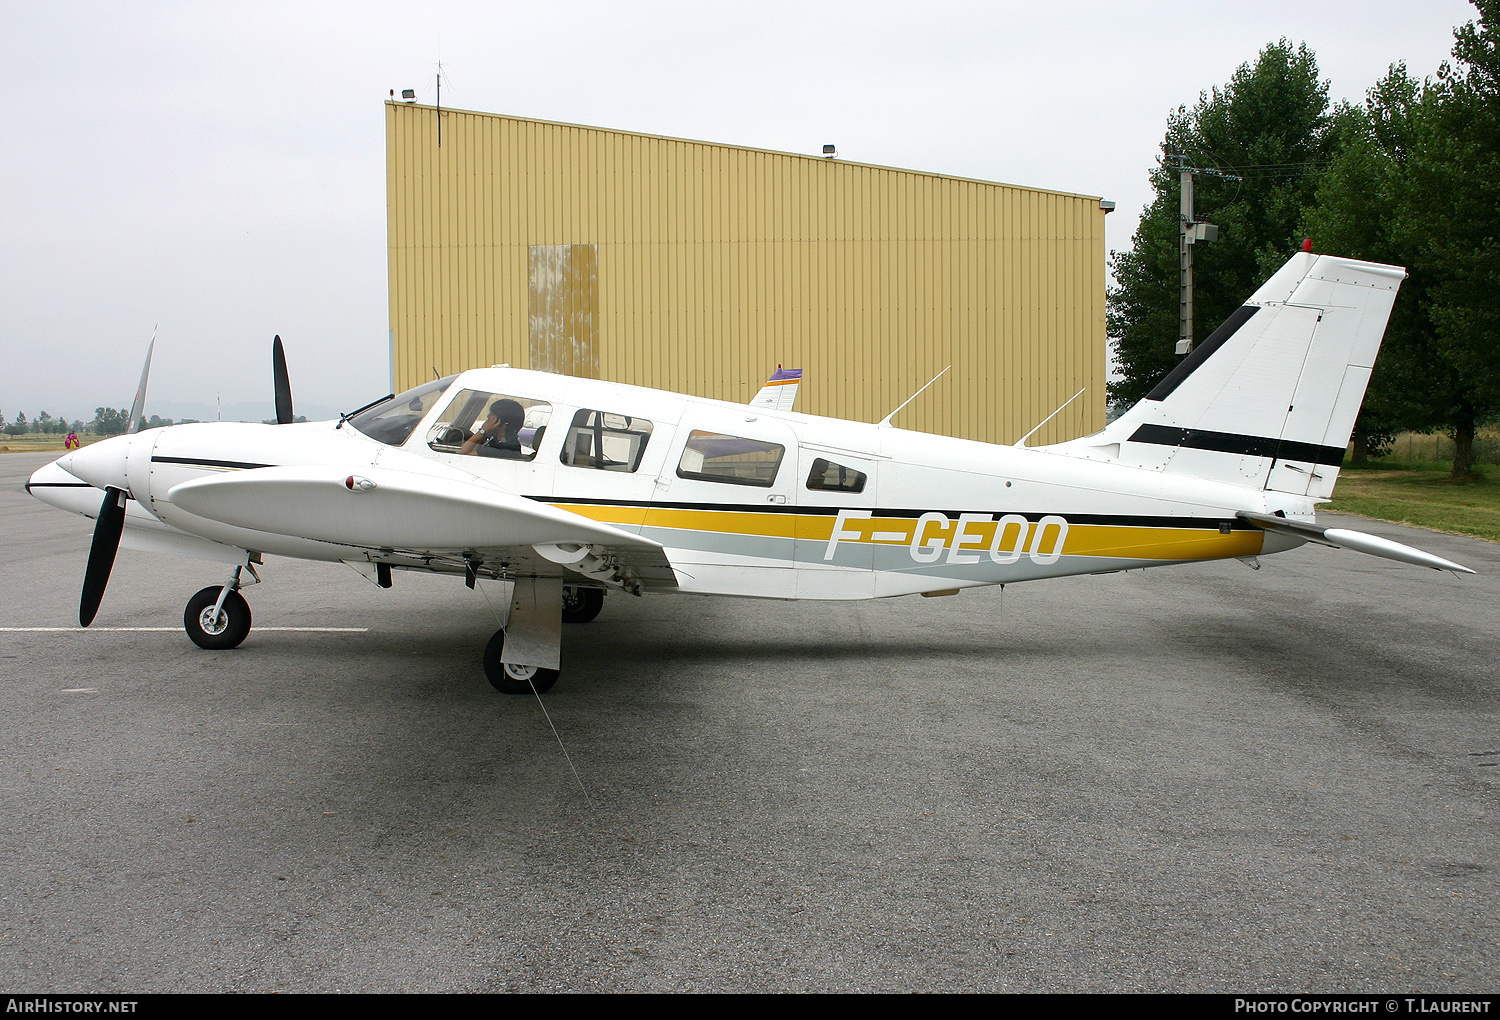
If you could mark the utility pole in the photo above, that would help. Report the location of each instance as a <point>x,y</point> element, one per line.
<point>1189,233</point>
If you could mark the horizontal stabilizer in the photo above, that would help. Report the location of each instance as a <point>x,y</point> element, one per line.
<point>1344,538</point>
<point>385,508</point>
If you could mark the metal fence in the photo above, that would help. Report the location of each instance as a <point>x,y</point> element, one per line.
<point>1417,448</point>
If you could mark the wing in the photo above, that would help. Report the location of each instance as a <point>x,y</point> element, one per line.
<point>446,521</point>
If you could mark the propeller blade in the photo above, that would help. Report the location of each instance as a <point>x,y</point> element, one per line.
<point>102,553</point>
<point>283,383</point>
<point>139,406</point>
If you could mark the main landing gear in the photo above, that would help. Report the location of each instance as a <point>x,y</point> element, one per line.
<point>218,617</point>
<point>580,605</point>
<point>513,678</point>
<point>523,656</point>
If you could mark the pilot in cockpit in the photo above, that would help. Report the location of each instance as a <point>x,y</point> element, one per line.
<point>500,435</point>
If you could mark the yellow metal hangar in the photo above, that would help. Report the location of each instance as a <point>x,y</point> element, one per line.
<point>699,268</point>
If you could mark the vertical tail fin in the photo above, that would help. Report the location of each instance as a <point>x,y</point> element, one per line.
<point>780,391</point>
<point>1269,399</point>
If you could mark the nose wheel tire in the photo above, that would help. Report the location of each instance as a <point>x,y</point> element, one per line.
<point>220,631</point>
<point>580,605</point>
<point>508,678</point>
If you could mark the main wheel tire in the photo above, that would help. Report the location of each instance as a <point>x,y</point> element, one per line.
<point>511,679</point>
<point>216,634</point>
<point>580,605</point>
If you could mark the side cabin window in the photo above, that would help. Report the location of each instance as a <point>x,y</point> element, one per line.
<point>608,442</point>
<point>828,476</point>
<point>712,457</point>
<point>392,420</point>
<point>482,424</point>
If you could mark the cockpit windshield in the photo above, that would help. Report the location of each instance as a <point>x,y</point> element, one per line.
<point>392,420</point>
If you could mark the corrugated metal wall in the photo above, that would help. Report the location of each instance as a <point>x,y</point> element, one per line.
<point>699,268</point>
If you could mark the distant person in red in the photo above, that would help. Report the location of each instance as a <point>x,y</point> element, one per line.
<point>71,443</point>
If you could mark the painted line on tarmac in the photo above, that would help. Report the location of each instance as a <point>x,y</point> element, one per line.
<point>168,630</point>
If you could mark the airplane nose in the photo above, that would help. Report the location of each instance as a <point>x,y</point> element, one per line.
<point>102,464</point>
<point>50,474</point>
<point>52,484</point>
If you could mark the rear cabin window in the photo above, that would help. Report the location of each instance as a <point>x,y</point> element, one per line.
<point>605,441</point>
<point>482,424</point>
<point>832,477</point>
<point>712,457</point>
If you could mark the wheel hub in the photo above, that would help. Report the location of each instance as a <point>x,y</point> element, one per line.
<point>518,672</point>
<point>213,623</point>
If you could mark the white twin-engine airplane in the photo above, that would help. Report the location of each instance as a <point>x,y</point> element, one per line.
<point>573,487</point>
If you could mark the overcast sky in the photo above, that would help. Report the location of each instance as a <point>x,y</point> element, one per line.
<point>218,170</point>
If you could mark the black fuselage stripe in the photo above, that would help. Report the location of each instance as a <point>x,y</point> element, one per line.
<point>1112,520</point>
<point>204,462</point>
<point>1229,442</point>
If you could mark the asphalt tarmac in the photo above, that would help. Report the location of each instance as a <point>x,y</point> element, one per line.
<point>1201,778</point>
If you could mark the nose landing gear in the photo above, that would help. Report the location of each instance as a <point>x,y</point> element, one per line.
<point>218,617</point>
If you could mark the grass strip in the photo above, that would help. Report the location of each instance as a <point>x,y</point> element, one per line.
<point>1424,497</point>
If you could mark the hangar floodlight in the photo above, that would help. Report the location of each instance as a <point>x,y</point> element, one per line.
<point>410,95</point>
<point>829,151</point>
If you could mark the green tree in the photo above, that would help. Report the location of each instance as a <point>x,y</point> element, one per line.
<point>1357,213</point>
<point>109,422</point>
<point>1270,126</point>
<point>1448,217</point>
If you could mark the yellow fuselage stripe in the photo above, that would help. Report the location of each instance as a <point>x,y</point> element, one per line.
<point>1118,540</point>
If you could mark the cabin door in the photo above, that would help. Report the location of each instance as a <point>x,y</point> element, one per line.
<point>726,503</point>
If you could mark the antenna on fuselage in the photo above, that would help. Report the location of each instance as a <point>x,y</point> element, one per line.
<point>887,419</point>
<point>1022,441</point>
